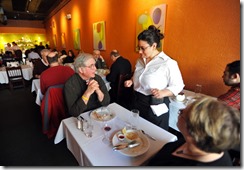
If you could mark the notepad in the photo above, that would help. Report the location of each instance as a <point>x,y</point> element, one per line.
<point>159,109</point>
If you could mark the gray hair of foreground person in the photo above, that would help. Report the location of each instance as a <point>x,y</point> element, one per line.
<point>214,126</point>
<point>81,60</point>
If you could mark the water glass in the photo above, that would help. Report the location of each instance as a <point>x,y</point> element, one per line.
<point>198,90</point>
<point>134,118</point>
<point>87,128</point>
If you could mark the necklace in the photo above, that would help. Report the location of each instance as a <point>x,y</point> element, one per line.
<point>188,154</point>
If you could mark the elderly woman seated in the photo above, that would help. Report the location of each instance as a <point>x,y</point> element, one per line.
<point>210,128</point>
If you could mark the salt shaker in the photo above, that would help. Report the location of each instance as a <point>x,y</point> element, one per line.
<point>79,123</point>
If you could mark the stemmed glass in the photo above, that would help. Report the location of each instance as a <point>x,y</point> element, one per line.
<point>106,125</point>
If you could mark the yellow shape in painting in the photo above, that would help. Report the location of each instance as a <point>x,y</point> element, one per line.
<point>145,21</point>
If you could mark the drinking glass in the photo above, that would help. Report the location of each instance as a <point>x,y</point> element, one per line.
<point>88,128</point>
<point>134,119</point>
<point>198,90</point>
<point>106,128</point>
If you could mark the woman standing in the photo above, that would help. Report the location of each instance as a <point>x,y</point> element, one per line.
<point>156,77</point>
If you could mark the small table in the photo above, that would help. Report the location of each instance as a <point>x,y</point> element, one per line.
<point>93,152</point>
<point>35,87</point>
<point>175,106</point>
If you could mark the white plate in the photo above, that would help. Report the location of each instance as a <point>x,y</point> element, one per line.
<point>98,115</point>
<point>136,151</point>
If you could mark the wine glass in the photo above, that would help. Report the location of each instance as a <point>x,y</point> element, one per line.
<point>106,125</point>
<point>106,128</point>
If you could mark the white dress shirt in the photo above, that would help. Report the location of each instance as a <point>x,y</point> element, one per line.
<point>161,72</point>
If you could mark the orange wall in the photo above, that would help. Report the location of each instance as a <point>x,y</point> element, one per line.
<point>203,36</point>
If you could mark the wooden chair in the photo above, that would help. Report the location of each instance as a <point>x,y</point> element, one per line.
<point>15,77</point>
<point>124,94</point>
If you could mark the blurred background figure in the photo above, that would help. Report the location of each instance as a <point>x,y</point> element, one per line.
<point>119,66</point>
<point>100,62</point>
<point>70,57</point>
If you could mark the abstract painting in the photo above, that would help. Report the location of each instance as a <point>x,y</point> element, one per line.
<point>99,35</point>
<point>153,16</point>
<point>76,36</point>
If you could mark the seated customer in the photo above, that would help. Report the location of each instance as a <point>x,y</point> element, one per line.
<point>41,65</point>
<point>120,65</point>
<point>209,128</point>
<point>85,90</point>
<point>53,106</point>
<point>100,62</point>
<point>56,74</point>
<point>232,78</point>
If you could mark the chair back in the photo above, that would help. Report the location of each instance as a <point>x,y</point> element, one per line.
<point>15,77</point>
<point>53,110</point>
<point>124,93</point>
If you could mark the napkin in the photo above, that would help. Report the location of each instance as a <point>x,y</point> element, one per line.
<point>159,109</point>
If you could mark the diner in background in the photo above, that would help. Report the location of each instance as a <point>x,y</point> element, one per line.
<point>70,57</point>
<point>100,62</point>
<point>232,97</point>
<point>209,128</point>
<point>56,74</point>
<point>232,78</point>
<point>51,83</point>
<point>33,54</point>
<point>85,90</point>
<point>41,65</point>
<point>156,77</point>
<point>119,66</point>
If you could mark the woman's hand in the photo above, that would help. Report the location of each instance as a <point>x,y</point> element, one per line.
<point>128,83</point>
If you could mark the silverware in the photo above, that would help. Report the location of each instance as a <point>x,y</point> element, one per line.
<point>126,145</point>
<point>148,135</point>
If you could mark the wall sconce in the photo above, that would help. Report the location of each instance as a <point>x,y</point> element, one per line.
<point>68,16</point>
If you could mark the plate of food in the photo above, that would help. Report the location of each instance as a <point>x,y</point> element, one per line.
<point>129,136</point>
<point>102,114</point>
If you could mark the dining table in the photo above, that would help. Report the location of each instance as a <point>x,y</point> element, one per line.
<point>27,71</point>
<point>35,87</point>
<point>175,106</point>
<point>91,151</point>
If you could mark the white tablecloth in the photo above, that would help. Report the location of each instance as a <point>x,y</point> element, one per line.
<point>26,69</point>
<point>93,152</point>
<point>175,106</point>
<point>35,87</point>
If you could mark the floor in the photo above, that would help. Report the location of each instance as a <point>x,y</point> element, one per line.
<point>21,140</point>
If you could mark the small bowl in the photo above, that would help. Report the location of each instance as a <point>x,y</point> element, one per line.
<point>121,137</point>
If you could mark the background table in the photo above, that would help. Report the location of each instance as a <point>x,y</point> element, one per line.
<point>35,87</point>
<point>93,152</point>
<point>26,69</point>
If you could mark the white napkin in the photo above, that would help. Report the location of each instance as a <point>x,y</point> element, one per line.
<point>159,109</point>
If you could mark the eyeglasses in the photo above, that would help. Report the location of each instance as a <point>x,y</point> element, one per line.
<point>91,66</point>
<point>142,48</point>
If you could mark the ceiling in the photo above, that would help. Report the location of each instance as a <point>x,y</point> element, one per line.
<point>28,9</point>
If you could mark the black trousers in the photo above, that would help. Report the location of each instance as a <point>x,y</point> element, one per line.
<point>143,102</point>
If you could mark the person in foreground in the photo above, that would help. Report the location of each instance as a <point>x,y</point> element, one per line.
<point>85,90</point>
<point>156,77</point>
<point>209,128</point>
<point>232,78</point>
